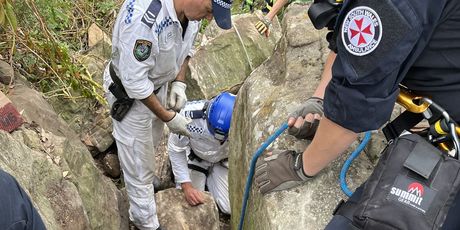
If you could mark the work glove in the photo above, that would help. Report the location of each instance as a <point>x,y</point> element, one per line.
<point>313,105</point>
<point>263,26</point>
<point>177,97</point>
<point>178,125</point>
<point>280,171</point>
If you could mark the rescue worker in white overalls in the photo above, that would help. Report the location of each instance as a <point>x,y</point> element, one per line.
<point>152,43</point>
<point>202,159</point>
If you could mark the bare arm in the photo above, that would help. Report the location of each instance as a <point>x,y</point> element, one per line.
<point>276,8</point>
<point>330,141</point>
<point>155,106</point>
<point>183,70</point>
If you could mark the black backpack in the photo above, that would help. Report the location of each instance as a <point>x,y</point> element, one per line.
<point>412,187</point>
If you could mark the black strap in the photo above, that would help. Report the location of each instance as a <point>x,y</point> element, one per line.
<point>221,162</point>
<point>192,156</point>
<point>404,121</point>
<point>114,76</point>
<point>198,168</point>
<point>322,13</point>
<point>346,209</point>
<point>195,114</point>
<point>117,80</point>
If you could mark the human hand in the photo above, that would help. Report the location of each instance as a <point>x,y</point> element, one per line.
<point>192,195</point>
<point>177,97</point>
<point>305,120</point>
<point>280,171</point>
<point>263,26</point>
<point>178,124</point>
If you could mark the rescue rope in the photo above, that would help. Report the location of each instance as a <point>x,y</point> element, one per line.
<point>270,139</point>
<point>259,152</point>
<point>346,165</point>
<point>244,47</point>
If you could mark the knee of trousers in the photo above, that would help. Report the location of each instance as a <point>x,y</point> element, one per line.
<point>223,203</point>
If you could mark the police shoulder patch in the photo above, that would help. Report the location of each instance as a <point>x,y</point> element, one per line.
<point>361,30</point>
<point>142,49</point>
<point>151,14</point>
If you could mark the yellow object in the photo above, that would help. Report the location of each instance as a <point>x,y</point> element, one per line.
<point>409,102</point>
<point>262,27</point>
<point>413,103</point>
<point>438,128</point>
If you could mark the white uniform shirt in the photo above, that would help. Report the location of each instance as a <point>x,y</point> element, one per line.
<point>153,21</point>
<point>204,145</point>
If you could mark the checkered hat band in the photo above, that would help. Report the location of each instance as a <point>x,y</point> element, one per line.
<point>223,4</point>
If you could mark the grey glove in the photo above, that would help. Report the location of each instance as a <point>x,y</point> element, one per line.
<point>178,125</point>
<point>308,129</point>
<point>280,171</point>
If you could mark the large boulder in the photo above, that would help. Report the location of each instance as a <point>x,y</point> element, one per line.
<point>6,73</point>
<point>56,169</point>
<point>34,108</point>
<point>293,72</point>
<point>59,174</point>
<point>175,213</point>
<point>163,169</point>
<point>226,57</point>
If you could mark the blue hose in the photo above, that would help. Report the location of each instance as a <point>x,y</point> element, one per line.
<point>346,165</point>
<point>259,152</point>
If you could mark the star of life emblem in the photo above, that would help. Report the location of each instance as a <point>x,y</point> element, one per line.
<point>361,31</point>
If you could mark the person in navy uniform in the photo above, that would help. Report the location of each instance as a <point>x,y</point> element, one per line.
<point>377,46</point>
<point>17,211</point>
<point>152,43</point>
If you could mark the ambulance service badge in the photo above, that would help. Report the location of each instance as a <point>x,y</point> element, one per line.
<point>361,31</point>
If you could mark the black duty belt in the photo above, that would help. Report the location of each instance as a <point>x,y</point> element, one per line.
<point>198,168</point>
<point>192,156</point>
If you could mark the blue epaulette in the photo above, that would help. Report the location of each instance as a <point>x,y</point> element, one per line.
<point>151,14</point>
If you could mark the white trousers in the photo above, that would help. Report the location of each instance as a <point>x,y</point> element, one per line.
<point>136,135</point>
<point>217,182</point>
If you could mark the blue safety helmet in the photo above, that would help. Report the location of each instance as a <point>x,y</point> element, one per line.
<point>219,115</point>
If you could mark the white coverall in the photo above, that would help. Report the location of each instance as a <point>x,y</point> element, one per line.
<point>213,155</point>
<point>136,135</point>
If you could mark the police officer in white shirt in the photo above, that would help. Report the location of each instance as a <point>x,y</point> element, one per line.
<point>152,41</point>
<point>201,159</point>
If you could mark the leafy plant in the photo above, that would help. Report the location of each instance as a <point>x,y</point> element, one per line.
<point>7,15</point>
<point>48,35</point>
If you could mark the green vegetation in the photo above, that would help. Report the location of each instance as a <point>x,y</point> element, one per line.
<point>41,37</point>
